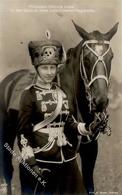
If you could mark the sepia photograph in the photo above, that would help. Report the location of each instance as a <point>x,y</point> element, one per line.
<point>60,97</point>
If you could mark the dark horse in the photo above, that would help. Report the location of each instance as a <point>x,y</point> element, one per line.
<point>85,79</point>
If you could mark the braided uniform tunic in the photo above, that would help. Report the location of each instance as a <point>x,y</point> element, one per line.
<point>48,144</point>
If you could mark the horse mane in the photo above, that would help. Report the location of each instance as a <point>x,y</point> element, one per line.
<point>72,83</point>
<point>73,53</point>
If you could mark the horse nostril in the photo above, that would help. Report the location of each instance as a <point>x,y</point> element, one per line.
<point>94,101</point>
<point>101,103</point>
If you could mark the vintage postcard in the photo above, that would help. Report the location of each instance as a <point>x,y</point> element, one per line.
<point>89,38</point>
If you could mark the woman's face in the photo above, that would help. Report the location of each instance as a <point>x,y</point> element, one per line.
<point>47,72</point>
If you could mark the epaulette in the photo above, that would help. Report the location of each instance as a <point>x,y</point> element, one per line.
<point>29,86</point>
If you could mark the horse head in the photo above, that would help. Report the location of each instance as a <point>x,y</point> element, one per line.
<point>95,65</point>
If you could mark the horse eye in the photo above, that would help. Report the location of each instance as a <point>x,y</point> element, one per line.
<point>36,54</point>
<point>87,60</point>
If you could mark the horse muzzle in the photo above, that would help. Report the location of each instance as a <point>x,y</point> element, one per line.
<point>100,104</point>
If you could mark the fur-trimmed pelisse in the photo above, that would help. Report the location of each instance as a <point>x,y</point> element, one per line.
<point>46,52</point>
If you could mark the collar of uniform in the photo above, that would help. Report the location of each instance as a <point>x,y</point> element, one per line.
<point>42,85</point>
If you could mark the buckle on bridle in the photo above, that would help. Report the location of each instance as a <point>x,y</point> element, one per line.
<point>100,58</point>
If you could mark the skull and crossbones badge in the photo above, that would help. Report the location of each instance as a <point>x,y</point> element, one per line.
<point>49,53</point>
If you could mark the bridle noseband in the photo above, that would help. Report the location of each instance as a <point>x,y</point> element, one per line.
<point>83,70</point>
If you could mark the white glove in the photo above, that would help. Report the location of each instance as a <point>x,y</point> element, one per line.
<point>82,130</point>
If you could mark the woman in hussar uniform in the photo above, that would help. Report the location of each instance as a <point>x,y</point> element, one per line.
<point>44,113</point>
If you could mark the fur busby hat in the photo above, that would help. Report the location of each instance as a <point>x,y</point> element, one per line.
<point>46,52</point>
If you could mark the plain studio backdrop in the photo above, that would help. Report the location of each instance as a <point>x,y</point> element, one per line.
<point>26,20</point>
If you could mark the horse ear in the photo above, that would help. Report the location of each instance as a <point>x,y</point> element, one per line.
<point>84,34</point>
<point>111,32</point>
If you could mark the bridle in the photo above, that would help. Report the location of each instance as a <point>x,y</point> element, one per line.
<point>88,83</point>
<point>83,70</point>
